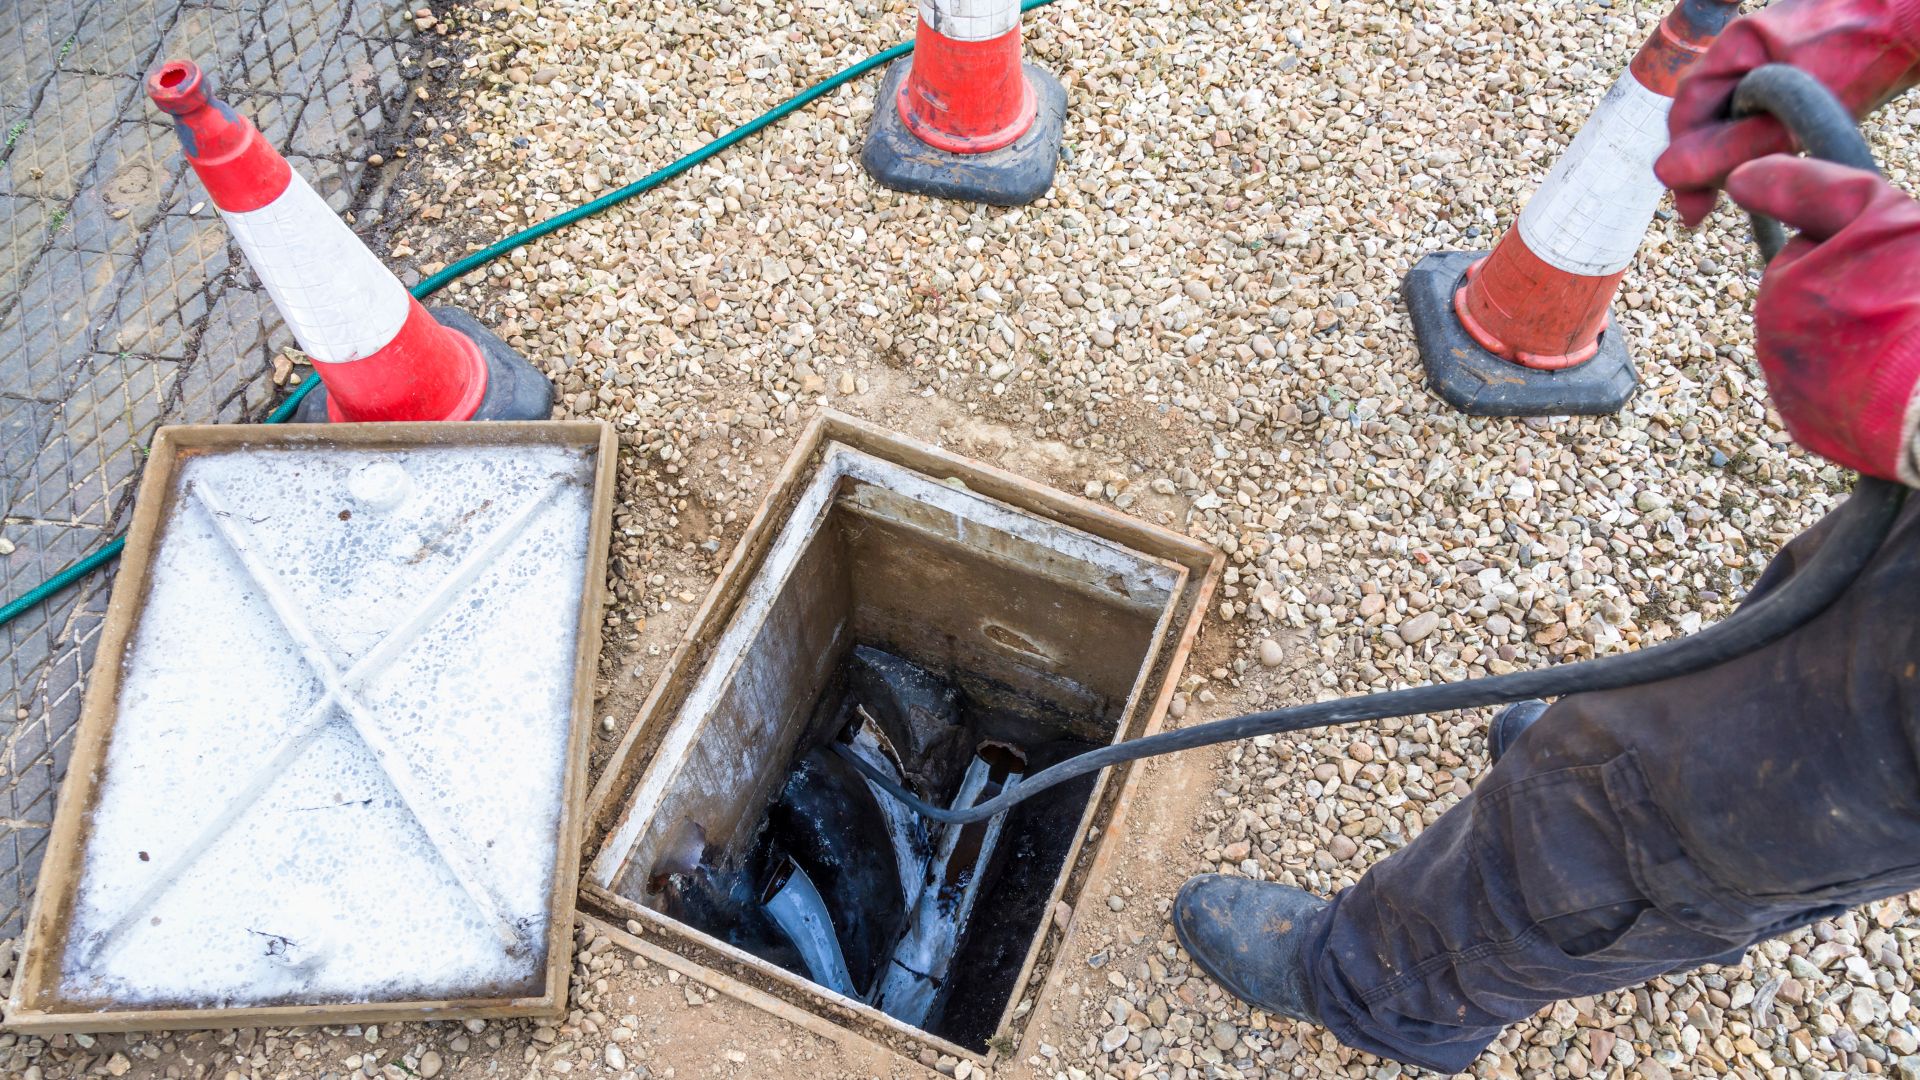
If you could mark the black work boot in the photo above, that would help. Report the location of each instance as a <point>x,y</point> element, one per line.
<point>1248,936</point>
<point>1509,722</point>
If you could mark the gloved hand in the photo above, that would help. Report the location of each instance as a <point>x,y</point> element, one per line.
<point>1865,51</point>
<point>1837,321</point>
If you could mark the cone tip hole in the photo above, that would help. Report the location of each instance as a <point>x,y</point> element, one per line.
<point>177,86</point>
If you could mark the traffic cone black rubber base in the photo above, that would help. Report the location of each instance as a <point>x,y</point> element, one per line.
<point>516,390</point>
<point>1014,175</point>
<point>1479,383</point>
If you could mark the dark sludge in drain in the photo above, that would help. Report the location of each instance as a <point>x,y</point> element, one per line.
<point>930,927</point>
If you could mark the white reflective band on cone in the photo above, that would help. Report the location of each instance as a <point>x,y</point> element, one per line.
<point>971,20</point>
<point>1593,208</point>
<point>338,300</point>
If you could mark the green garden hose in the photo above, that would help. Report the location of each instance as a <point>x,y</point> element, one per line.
<point>460,267</point>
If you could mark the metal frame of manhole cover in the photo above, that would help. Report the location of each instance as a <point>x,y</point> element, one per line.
<point>42,999</point>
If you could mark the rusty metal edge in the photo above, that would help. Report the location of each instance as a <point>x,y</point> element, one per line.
<point>1122,806</point>
<point>1096,802</point>
<point>740,991</point>
<point>799,988</point>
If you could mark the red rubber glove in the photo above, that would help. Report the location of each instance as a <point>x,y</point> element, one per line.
<point>1837,321</point>
<point>1865,51</point>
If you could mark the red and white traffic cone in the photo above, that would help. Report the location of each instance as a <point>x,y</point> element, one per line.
<point>964,117</point>
<point>379,353</point>
<point>1524,331</point>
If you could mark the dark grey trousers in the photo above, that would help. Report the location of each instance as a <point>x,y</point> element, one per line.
<point>1649,830</point>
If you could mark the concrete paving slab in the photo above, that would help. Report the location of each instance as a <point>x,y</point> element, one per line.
<point>31,39</point>
<point>164,296</point>
<point>23,234</point>
<point>46,335</point>
<point>118,37</point>
<point>134,171</point>
<point>56,147</point>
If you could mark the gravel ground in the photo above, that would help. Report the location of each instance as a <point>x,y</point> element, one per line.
<point>1200,325</point>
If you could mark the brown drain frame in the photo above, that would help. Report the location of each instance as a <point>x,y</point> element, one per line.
<point>713,961</point>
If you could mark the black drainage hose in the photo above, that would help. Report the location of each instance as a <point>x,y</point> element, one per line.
<point>1858,529</point>
<point>1817,120</point>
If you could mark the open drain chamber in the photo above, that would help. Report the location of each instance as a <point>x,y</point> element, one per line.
<point>963,625</point>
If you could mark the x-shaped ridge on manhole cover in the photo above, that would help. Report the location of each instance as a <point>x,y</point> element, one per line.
<point>338,698</point>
